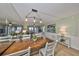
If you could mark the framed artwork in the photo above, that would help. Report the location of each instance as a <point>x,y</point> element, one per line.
<point>51,28</point>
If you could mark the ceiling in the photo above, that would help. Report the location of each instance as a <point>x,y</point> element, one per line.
<point>49,12</point>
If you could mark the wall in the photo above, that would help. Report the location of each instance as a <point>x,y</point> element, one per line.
<point>70,23</point>
<point>77,25</point>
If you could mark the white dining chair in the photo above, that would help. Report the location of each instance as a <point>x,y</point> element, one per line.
<point>24,37</point>
<point>25,52</point>
<point>49,49</point>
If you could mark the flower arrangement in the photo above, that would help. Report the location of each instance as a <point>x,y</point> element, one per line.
<point>34,37</point>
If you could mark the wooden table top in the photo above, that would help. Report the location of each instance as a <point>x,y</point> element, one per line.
<point>4,46</point>
<point>20,45</point>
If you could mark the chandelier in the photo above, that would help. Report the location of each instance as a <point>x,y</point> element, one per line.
<point>33,17</point>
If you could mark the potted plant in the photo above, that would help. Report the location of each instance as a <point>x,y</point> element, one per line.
<point>34,37</point>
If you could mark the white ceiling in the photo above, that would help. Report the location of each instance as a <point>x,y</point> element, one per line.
<point>49,12</point>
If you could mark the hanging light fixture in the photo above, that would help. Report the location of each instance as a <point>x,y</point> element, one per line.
<point>10,24</point>
<point>40,21</point>
<point>34,20</point>
<point>26,19</point>
<point>34,17</point>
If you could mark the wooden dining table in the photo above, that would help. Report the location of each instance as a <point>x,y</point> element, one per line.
<point>24,44</point>
<point>4,46</point>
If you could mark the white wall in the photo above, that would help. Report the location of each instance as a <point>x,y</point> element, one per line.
<point>72,24</point>
<point>75,42</point>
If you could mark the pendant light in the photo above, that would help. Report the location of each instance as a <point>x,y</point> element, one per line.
<point>26,19</point>
<point>34,20</point>
<point>34,17</point>
<point>40,21</point>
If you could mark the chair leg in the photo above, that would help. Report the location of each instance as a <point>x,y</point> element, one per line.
<point>39,53</point>
<point>53,53</point>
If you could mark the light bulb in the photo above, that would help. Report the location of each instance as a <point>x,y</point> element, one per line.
<point>26,19</point>
<point>34,21</point>
<point>40,21</point>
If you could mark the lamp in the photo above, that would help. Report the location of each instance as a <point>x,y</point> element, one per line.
<point>63,32</point>
<point>40,21</point>
<point>10,24</point>
<point>26,19</point>
<point>34,20</point>
<point>34,17</point>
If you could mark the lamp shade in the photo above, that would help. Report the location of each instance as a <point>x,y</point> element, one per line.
<point>63,30</point>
